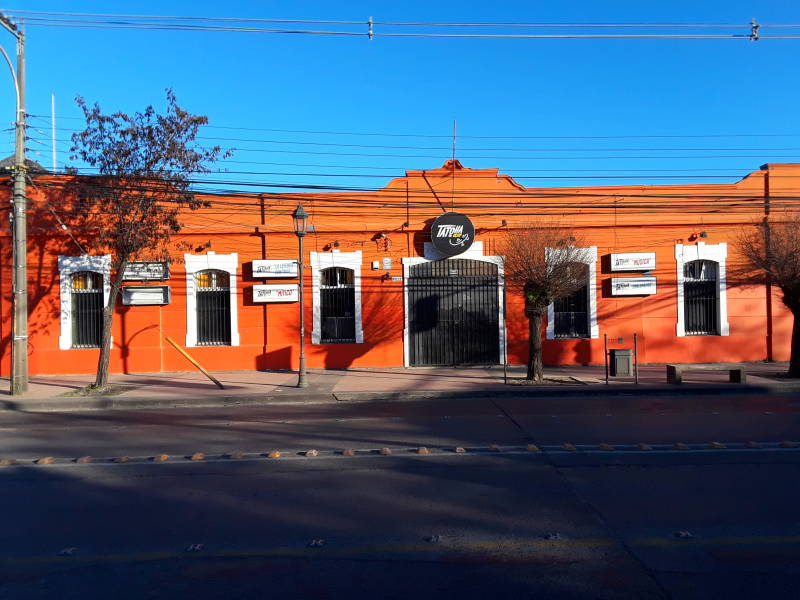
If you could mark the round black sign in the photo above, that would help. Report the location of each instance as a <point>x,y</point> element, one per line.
<point>452,233</point>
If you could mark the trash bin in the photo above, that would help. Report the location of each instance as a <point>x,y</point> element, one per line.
<point>621,362</point>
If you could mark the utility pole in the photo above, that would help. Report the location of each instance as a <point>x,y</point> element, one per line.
<point>19,324</point>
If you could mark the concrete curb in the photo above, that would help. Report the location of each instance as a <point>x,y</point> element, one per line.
<point>294,398</point>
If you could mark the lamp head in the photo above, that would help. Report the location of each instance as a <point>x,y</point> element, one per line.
<point>300,217</point>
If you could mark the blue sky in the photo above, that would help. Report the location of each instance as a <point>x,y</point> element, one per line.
<point>248,83</point>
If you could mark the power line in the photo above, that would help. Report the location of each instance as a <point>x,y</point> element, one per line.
<point>242,25</point>
<point>485,137</point>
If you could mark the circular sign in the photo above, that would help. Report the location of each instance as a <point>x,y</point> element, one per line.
<point>452,233</point>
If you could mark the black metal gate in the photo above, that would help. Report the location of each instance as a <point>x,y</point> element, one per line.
<point>453,313</point>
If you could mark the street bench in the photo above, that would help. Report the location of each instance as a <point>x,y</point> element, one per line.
<point>675,372</point>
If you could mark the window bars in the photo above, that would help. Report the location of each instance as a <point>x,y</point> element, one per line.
<point>700,297</point>
<point>86,290</point>
<point>338,305</point>
<point>213,308</point>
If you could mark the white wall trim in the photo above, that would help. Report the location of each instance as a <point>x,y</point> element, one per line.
<point>474,253</point>
<point>591,263</point>
<point>195,263</point>
<point>326,260</point>
<point>67,266</point>
<point>717,253</point>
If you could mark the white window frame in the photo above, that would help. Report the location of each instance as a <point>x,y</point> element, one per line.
<point>591,263</point>
<point>194,263</point>
<point>326,260</point>
<point>67,267</point>
<point>475,252</point>
<point>717,253</point>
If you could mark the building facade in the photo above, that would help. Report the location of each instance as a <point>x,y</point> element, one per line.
<point>379,294</point>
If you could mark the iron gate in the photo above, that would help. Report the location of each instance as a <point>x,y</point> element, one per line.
<point>453,313</point>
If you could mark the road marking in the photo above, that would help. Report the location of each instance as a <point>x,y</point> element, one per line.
<point>448,548</point>
<point>411,451</point>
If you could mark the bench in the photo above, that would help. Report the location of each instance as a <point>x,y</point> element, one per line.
<point>675,372</point>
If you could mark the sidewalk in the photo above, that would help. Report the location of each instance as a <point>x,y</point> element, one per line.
<point>187,389</point>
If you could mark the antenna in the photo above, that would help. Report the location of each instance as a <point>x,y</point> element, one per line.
<point>453,165</point>
<point>454,141</point>
<point>53,122</point>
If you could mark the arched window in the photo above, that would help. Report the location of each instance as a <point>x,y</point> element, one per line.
<point>338,305</point>
<point>86,291</point>
<point>213,308</point>
<point>700,297</point>
<point>571,313</point>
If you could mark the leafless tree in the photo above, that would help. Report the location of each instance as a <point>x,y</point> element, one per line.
<point>544,261</point>
<point>131,207</point>
<point>771,251</point>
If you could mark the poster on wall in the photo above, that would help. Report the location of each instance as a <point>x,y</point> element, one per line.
<point>633,286</point>
<point>633,261</point>
<point>275,268</point>
<point>275,293</point>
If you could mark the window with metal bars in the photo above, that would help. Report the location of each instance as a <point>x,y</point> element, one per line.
<point>338,305</point>
<point>700,297</point>
<point>213,308</point>
<point>571,313</point>
<point>86,296</point>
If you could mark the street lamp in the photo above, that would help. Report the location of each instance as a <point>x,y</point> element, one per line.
<point>300,217</point>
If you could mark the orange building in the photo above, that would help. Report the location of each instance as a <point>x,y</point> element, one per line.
<point>379,293</point>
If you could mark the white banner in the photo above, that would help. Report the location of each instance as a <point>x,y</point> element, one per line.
<point>633,261</point>
<point>275,268</point>
<point>275,293</point>
<point>633,286</point>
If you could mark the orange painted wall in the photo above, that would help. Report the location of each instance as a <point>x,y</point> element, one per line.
<point>615,219</point>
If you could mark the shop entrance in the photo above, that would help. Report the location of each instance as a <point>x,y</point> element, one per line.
<point>453,313</point>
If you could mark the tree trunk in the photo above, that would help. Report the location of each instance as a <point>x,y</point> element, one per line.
<point>108,316</point>
<point>794,360</point>
<point>535,371</point>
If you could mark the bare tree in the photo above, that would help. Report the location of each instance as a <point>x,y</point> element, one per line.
<point>771,251</point>
<point>131,208</point>
<point>543,262</point>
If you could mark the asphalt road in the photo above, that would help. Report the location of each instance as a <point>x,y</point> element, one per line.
<point>482,524</point>
<point>446,423</point>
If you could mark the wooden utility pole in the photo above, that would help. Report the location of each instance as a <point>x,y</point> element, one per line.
<point>19,324</point>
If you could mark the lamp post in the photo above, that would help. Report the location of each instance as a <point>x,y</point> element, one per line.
<point>300,217</point>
